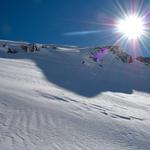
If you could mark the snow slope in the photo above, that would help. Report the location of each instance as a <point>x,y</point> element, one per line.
<point>49,100</point>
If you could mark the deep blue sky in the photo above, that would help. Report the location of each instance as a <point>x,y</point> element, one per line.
<point>51,21</point>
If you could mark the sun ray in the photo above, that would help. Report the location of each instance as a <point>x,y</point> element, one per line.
<point>119,8</point>
<point>134,26</point>
<point>132,34</point>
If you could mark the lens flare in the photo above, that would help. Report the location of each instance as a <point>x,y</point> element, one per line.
<point>131,27</point>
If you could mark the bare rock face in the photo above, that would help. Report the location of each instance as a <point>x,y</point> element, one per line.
<point>11,50</point>
<point>126,58</point>
<point>145,60</point>
<point>115,50</point>
<point>24,47</point>
<point>120,54</point>
<point>29,47</point>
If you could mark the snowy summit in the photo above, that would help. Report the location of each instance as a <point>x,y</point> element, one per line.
<point>61,97</point>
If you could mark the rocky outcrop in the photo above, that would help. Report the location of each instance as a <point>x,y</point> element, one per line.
<point>12,50</point>
<point>30,47</point>
<point>145,60</point>
<point>116,50</point>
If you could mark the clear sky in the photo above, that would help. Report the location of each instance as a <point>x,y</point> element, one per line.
<point>75,22</point>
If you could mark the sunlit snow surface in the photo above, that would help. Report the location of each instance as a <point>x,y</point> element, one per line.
<point>39,113</point>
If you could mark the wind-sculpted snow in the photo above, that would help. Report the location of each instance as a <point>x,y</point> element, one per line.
<point>60,98</point>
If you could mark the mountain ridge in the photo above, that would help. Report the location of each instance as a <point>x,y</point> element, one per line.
<point>51,100</point>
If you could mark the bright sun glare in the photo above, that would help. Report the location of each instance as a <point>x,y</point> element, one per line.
<point>132,27</point>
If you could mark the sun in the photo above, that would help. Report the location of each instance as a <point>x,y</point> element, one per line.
<point>131,27</point>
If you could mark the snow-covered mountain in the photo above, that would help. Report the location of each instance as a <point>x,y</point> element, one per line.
<point>60,97</point>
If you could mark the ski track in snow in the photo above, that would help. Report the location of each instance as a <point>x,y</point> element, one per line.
<point>38,115</point>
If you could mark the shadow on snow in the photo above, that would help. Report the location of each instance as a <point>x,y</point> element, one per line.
<point>67,72</point>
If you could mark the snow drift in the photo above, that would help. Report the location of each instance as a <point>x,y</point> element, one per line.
<point>58,97</point>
